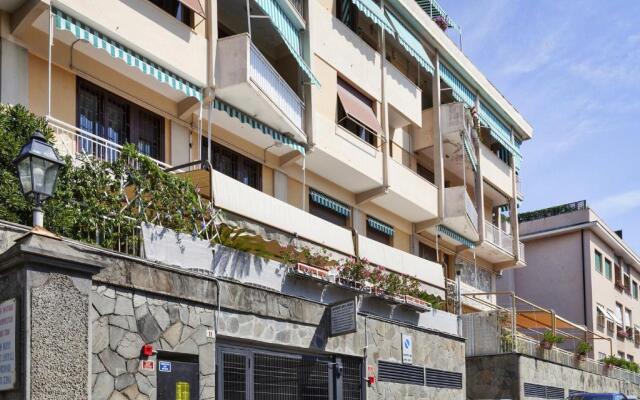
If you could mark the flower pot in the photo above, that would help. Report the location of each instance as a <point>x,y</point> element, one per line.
<point>546,345</point>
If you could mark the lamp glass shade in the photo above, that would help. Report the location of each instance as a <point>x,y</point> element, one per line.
<point>38,166</point>
<point>24,172</point>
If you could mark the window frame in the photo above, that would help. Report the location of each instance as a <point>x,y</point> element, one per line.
<point>608,269</point>
<point>240,164</point>
<point>598,261</point>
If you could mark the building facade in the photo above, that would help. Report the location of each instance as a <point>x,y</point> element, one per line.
<point>355,127</point>
<point>585,272</point>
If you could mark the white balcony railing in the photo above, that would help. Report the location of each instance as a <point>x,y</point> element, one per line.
<point>498,237</point>
<point>263,75</point>
<point>521,247</point>
<point>470,208</point>
<point>72,141</point>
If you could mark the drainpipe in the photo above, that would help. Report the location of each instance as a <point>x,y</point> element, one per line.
<point>438,159</point>
<point>385,109</point>
<point>211,31</point>
<point>584,277</point>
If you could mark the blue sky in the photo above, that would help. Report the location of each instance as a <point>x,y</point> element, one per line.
<point>572,68</point>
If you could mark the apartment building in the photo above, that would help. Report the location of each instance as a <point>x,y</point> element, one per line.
<point>585,272</point>
<point>353,126</point>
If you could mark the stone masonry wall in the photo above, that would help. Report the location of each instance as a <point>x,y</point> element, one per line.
<point>124,320</point>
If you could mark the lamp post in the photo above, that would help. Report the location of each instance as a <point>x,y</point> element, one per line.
<point>38,166</point>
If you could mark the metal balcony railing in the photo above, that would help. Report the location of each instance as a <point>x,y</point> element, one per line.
<point>73,141</point>
<point>263,75</point>
<point>498,237</point>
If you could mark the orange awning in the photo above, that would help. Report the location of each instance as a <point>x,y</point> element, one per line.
<point>194,5</point>
<point>357,109</point>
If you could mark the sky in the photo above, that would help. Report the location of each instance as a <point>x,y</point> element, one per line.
<point>572,69</point>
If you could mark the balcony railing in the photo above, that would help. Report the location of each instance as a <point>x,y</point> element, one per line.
<point>263,75</point>
<point>298,5</point>
<point>498,237</point>
<point>73,141</point>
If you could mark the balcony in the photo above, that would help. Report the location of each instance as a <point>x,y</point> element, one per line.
<point>238,198</point>
<point>75,142</point>
<point>401,262</point>
<point>143,28</point>
<point>495,171</point>
<point>294,9</point>
<point>498,245</point>
<point>460,213</point>
<point>246,80</point>
<point>409,195</point>
<point>403,95</point>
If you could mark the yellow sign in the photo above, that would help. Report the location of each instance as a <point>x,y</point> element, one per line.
<point>182,391</point>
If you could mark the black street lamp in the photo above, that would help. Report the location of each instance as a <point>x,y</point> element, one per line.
<point>38,166</point>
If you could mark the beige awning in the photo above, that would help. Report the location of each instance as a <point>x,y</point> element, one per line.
<point>194,5</point>
<point>358,109</point>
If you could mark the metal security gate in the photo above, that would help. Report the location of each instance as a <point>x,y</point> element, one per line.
<point>253,374</point>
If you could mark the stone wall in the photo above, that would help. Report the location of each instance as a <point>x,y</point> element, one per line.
<point>492,377</point>
<point>123,320</point>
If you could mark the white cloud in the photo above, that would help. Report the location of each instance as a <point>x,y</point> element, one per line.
<point>618,204</point>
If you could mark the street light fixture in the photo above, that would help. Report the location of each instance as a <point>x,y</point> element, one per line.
<point>38,166</point>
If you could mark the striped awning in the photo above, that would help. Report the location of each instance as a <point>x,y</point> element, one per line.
<point>64,22</point>
<point>411,43</point>
<point>456,236</point>
<point>468,148</point>
<point>380,226</point>
<point>289,34</point>
<point>372,11</point>
<point>329,203</point>
<point>499,131</point>
<point>255,124</point>
<point>460,91</point>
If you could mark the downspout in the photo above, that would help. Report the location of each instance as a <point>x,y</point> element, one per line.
<point>211,32</point>
<point>513,212</point>
<point>437,142</point>
<point>385,109</point>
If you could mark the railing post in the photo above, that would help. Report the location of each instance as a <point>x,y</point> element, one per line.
<point>513,322</point>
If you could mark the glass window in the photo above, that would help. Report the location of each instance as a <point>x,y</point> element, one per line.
<point>427,252</point>
<point>117,120</point>
<point>327,214</point>
<point>176,9</point>
<point>234,165</point>
<point>634,289</point>
<point>607,269</point>
<point>598,261</point>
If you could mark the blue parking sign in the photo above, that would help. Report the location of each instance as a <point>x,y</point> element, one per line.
<point>164,366</point>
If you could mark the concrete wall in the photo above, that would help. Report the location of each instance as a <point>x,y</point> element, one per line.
<point>503,377</point>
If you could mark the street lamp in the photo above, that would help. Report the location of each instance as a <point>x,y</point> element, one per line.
<point>38,166</point>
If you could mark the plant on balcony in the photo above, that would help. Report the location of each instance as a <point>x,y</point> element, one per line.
<point>549,339</point>
<point>622,333</point>
<point>240,239</point>
<point>304,255</point>
<point>583,349</point>
<point>354,272</point>
<point>621,363</point>
<point>441,22</point>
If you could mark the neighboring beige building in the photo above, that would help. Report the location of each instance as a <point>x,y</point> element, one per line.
<point>326,117</point>
<point>584,271</point>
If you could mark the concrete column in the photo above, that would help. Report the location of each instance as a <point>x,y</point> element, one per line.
<point>475,135</point>
<point>385,109</point>
<point>513,212</point>
<point>14,73</point>
<point>438,156</point>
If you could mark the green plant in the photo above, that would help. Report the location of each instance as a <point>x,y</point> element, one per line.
<point>621,363</point>
<point>355,269</point>
<point>583,348</point>
<point>239,239</point>
<point>549,339</point>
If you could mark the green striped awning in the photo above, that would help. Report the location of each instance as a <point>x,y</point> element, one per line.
<point>433,10</point>
<point>373,11</point>
<point>64,22</point>
<point>499,131</point>
<point>329,203</point>
<point>466,143</point>
<point>411,43</point>
<point>460,92</point>
<point>456,236</point>
<point>255,124</point>
<point>289,33</point>
<point>380,226</point>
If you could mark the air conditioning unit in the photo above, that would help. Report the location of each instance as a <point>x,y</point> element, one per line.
<point>455,118</point>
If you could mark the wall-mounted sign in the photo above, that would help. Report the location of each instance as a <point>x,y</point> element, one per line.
<point>147,365</point>
<point>407,349</point>
<point>8,345</point>
<point>164,366</point>
<point>343,317</point>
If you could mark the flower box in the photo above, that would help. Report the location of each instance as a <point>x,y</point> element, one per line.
<point>391,298</point>
<point>352,285</point>
<point>309,271</point>
<point>417,303</point>
<point>622,333</point>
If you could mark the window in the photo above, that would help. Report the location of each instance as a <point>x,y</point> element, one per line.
<point>607,269</point>
<point>600,316</point>
<point>634,290</point>
<point>177,9</point>
<point>379,231</point>
<point>427,252</point>
<point>627,280</point>
<point>598,261</point>
<point>628,323</point>
<point>630,357</point>
<point>618,276</point>
<point>245,373</point>
<point>323,206</point>
<point>355,114</point>
<point>235,165</point>
<point>621,354</point>
<point>117,120</point>
<point>426,173</point>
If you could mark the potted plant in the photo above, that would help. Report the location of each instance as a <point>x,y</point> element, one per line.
<point>583,349</point>
<point>441,22</point>
<point>549,340</point>
<point>353,273</point>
